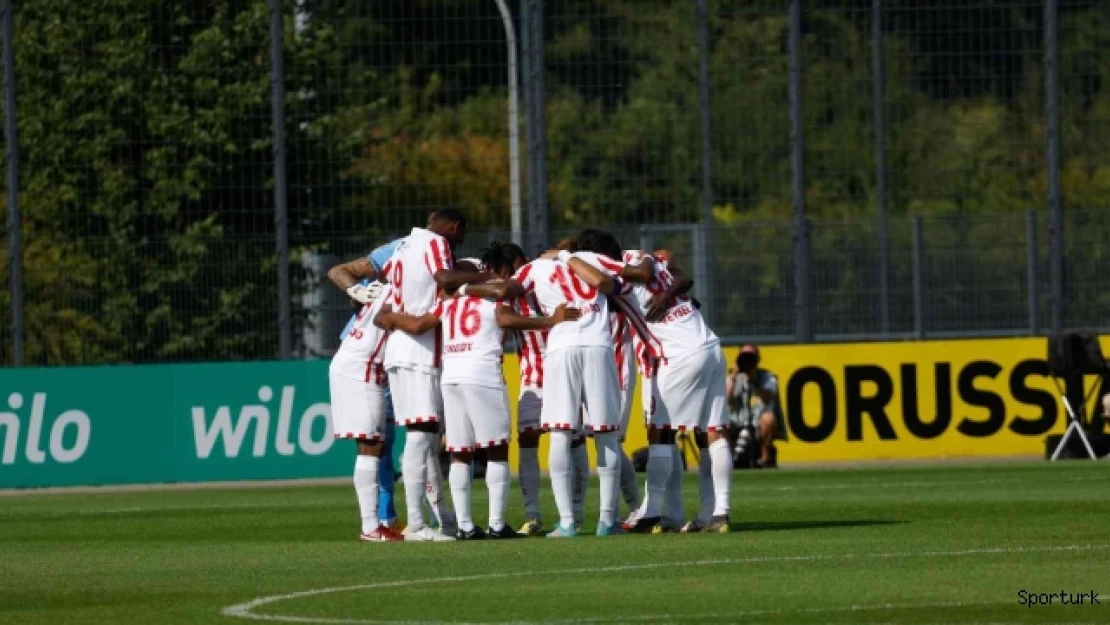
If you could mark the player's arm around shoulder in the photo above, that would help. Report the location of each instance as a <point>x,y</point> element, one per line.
<point>585,270</point>
<point>388,319</point>
<point>501,290</point>
<point>509,319</point>
<point>642,269</point>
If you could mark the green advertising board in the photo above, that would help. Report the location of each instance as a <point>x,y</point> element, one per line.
<point>86,426</point>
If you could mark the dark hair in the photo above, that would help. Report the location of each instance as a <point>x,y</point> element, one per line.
<point>451,216</point>
<point>600,242</point>
<point>499,255</point>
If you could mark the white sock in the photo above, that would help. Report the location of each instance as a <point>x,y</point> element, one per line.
<point>659,467</point>
<point>366,489</point>
<point>497,481</point>
<point>721,458</point>
<point>629,489</point>
<point>673,509</point>
<point>433,488</point>
<point>581,458</point>
<point>530,480</point>
<point>413,462</point>
<point>705,486</point>
<point>559,469</point>
<point>608,445</point>
<point>460,494</point>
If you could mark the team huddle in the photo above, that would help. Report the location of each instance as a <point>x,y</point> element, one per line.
<point>589,318</point>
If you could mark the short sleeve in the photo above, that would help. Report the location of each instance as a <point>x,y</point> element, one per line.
<point>438,255</point>
<point>379,258</point>
<point>771,383</point>
<point>608,264</point>
<point>525,278</point>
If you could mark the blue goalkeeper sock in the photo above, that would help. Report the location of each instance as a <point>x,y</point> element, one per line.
<point>386,509</point>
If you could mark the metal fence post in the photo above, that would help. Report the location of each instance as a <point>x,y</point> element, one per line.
<point>538,218</point>
<point>281,216</point>
<point>879,87</point>
<point>11,155</point>
<point>705,263</point>
<point>1031,270</point>
<point>514,125</point>
<point>1052,155</point>
<point>803,327</point>
<point>918,277</point>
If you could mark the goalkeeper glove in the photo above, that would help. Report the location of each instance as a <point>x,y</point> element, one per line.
<point>365,293</point>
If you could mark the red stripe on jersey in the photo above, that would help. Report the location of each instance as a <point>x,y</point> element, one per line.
<point>613,266</point>
<point>524,277</point>
<point>437,358</point>
<point>537,357</point>
<point>374,356</point>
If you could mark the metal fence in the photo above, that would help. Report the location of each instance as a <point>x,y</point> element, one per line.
<point>827,169</point>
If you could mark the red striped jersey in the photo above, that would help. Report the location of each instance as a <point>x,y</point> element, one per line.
<point>411,270</point>
<point>682,331</point>
<point>554,283</point>
<point>360,354</point>
<point>531,344</point>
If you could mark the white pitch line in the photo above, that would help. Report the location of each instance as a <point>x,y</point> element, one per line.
<point>246,610</point>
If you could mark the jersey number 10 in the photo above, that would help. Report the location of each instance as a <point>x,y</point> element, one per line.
<point>583,290</point>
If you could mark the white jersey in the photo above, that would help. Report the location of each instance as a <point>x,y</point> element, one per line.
<point>472,341</point>
<point>555,284</point>
<point>682,331</point>
<point>412,271</point>
<point>360,354</point>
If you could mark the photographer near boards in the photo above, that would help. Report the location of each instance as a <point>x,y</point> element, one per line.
<point>753,396</point>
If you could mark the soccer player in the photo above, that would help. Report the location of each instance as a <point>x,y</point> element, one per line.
<point>475,402</point>
<point>504,260</point>
<point>362,279</point>
<point>358,411</point>
<point>579,370</point>
<point>421,264</point>
<point>688,394</point>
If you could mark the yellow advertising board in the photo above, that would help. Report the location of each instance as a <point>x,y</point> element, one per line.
<point>907,400</point>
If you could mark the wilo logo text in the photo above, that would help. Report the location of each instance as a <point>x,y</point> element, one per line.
<point>73,425</point>
<point>233,433</point>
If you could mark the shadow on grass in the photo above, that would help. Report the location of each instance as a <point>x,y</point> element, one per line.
<point>809,525</point>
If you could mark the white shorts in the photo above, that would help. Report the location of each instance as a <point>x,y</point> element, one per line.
<point>357,408</point>
<point>529,407</point>
<point>477,416</point>
<point>689,394</point>
<point>416,396</point>
<point>581,376</point>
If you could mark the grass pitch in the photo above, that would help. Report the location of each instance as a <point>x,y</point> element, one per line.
<point>941,544</point>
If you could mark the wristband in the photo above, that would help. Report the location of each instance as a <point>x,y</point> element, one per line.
<point>462,290</point>
<point>564,256</point>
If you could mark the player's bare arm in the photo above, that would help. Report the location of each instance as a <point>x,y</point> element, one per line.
<point>593,276</point>
<point>348,274</point>
<point>642,272</point>
<point>509,319</point>
<point>451,279</point>
<point>502,290</point>
<point>660,302</point>
<point>409,324</point>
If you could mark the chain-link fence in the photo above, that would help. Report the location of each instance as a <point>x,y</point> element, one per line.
<point>826,169</point>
